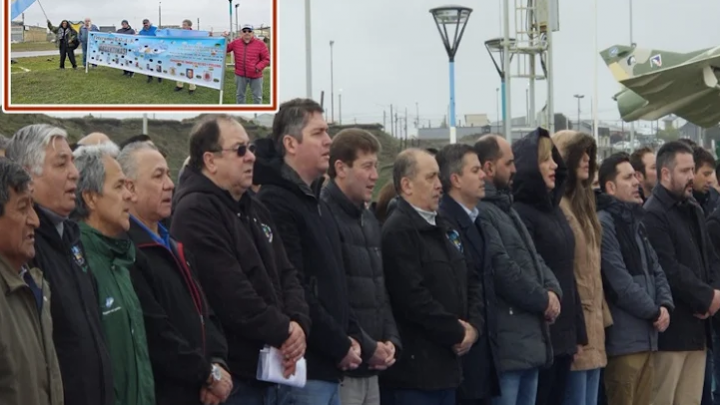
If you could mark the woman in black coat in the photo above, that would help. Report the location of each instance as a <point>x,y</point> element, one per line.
<point>537,190</point>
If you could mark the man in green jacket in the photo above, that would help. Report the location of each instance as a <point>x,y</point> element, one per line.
<point>102,209</point>
<point>29,369</point>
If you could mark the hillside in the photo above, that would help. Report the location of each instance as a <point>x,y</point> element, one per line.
<point>171,135</point>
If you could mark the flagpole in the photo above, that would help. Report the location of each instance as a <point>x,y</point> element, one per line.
<point>43,9</point>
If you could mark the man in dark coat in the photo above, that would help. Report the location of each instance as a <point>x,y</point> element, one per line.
<point>677,231</point>
<point>527,292</point>
<point>288,164</point>
<point>353,173</point>
<point>643,161</point>
<point>436,296</point>
<point>245,272</point>
<point>635,286</point>
<point>77,332</point>
<point>463,184</point>
<point>184,350</point>
<point>538,205</point>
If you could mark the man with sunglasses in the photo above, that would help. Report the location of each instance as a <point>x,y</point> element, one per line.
<point>251,58</point>
<point>246,275</point>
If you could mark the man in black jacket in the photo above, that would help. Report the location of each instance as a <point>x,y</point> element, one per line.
<point>436,296</point>
<point>643,161</point>
<point>703,190</point>
<point>85,366</point>
<point>289,162</point>
<point>676,228</point>
<point>353,173</point>
<point>463,184</point>
<point>249,281</point>
<point>186,351</point>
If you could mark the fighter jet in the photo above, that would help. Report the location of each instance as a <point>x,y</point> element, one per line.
<point>657,83</point>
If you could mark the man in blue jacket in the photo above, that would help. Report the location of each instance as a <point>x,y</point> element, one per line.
<point>85,30</point>
<point>149,30</point>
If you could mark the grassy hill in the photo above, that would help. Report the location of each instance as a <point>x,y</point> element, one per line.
<point>171,135</point>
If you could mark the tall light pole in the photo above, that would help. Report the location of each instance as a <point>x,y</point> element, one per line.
<point>497,107</point>
<point>579,97</point>
<point>237,25</point>
<point>232,32</point>
<point>632,42</point>
<point>159,14</point>
<point>340,106</point>
<point>308,51</point>
<point>497,46</point>
<point>332,85</point>
<point>457,17</point>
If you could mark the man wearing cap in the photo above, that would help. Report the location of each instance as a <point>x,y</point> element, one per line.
<point>251,58</point>
<point>127,30</point>
<point>149,30</point>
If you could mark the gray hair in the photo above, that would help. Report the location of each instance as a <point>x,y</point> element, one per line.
<point>405,166</point>
<point>12,177</point>
<point>28,145</point>
<point>4,142</point>
<point>90,165</point>
<point>451,161</point>
<point>127,160</point>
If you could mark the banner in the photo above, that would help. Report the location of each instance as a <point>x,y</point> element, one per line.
<point>197,60</point>
<point>17,7</point>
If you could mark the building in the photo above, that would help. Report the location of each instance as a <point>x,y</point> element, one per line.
<point>107,28</point>
<point>27,33</point>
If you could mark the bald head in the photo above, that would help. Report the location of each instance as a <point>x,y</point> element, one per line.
<point>497,159</point>
<point>94,138</point>
<point>416,178</point>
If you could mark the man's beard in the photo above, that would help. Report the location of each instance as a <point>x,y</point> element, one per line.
<point>679,190</point>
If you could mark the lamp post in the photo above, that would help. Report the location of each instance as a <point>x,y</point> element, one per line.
<point>237,25</point>
<point>332,85</point>
<point>579,97</point>
<point>308,51</point>
<point>340,106</point>
<point>159,14</point>
<point>449,17</point>
<point>497,46</point>
<point>232,33</point>
<point>497,107</point>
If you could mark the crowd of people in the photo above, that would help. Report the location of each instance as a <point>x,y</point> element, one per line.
<point>251,55</point>
<point>494,273</point>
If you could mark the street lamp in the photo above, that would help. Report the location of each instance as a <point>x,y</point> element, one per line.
<point>332,85</point>
<point>579,97</point>
<point>159,16</point>
<point>497,107</point>
<point>497,46</point>
<point>230,2</point>
<point>237,25</point>
<point>340,106</point>
<point>457,17</point>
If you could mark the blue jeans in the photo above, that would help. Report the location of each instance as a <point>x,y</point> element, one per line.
<point>247,393</point>
<point>315,392</point>
<point>416,397</point>
<point>518,388</point>
<point>582,387</point>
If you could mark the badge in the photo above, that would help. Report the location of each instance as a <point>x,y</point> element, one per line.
<point>454,238</point>
<point>109,301</point>
<point>656,60</point>
<point>268,232</point>
<point>613,51</point>
<point>78,256</point>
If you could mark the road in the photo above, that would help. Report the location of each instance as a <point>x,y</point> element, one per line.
<point>32,54</point>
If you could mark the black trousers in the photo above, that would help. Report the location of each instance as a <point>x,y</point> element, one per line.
<point>553,380</point>
<point>67,52</point>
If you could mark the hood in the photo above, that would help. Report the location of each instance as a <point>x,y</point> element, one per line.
<point>572,145</point>
<point>193,181</point>
<point>270,169</point>
<point>528,184</point>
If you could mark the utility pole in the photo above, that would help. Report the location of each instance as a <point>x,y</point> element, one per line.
<point>632,42</point>
<point>579,97</point>
<point>392,126</point>
<point>160,14</point>
<point>384,121</point>
<point>332,85</point>
<point>198,24</point>
<point>397,126</point>
<point>406,128</point>
<point>417,116</point>
<point>308,51</point>
<point>237,25</point>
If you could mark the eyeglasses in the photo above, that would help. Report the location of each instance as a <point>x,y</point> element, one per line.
<point>245,31</point>
<point>241,150</point>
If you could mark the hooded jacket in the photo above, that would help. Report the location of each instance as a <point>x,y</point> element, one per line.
<point>248,279</point>
<point>184,336</point>
<point>251,58</point>
<point>311,238</point>
<point>122,317</point>
<point>29,370</point>
<point>522,283</point>
<point>572,145</point>
<point>79,340</point>
<point>634,293</point>
<point>554,241</point>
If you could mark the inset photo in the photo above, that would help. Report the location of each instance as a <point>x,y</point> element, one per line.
<point>141,54</point>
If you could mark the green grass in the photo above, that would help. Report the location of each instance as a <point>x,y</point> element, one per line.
<point>32,46</point>
<point>44,83</point>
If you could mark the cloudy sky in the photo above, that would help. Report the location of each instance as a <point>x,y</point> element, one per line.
<point>389,51</point>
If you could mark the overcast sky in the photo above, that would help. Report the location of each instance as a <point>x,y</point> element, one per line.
<point>389,51</point>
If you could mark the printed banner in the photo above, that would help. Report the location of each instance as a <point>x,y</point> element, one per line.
<point>17,7</point>
<point>196,60</point>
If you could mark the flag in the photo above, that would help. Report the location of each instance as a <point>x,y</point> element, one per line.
<point>17,7</point>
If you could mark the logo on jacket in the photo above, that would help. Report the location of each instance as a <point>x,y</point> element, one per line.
<point>454,238</point>
<point>268,232</point>
<point>78,255</point>
<point>109,301</point>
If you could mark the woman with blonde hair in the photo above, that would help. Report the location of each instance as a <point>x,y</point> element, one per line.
<point>579,152</point>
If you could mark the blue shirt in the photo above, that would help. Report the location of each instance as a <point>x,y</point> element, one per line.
<point>148,32</point>
<point>162,239</point>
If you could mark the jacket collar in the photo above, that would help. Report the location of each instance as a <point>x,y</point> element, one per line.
<point>118,250</point>
<point>333,193</point>
<point>666,198</point>
<point>12,279</point>
<point>417,221</point>
<point>627,211</point>
<point>502,198</point>
<point>453,209</point>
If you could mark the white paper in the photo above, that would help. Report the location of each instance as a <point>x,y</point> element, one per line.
<point>270,368</point>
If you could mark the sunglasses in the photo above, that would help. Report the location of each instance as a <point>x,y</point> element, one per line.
<point>246,31</point>
<point>241,150</point>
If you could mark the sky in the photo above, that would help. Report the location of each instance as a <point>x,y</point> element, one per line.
<point>389,51</point>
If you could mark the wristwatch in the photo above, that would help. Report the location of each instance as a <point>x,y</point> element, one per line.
<point>215,375</point>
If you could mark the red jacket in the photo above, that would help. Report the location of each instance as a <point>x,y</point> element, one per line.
<point>250,58</point>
